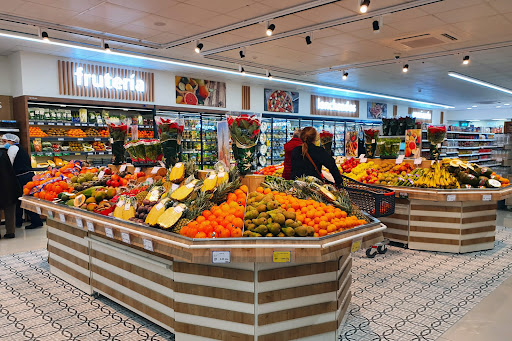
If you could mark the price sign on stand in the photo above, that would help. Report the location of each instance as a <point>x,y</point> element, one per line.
<point>221,257</point>
<point>125,237</point>
<point>90,226</point>
<point>356,245</point>
<point>362,158</point>
<point>418,161</point>
<point>101,175</point>
<point>79,223</point>
<point>109,232</point>
<point>403,195</point>
<point>38,210</point>
<point>155,170</point>
<point>50,214</point>
<point>62,218</point>
<point>282,256</point>
<point>122,168</point>
<point>137,170</point>
<point>451,197</point>
<point>148,244</point>
<point>486,197</point>
<point>399,159</point>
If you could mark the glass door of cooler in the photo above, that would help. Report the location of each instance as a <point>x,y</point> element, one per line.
<point>291,126</point>
<point>264,145</point>
<point>339,139</point>
<point>191,139</point>
<point>209,140</point>
<point>319,126</point>
<point>279,138</point>
<point>305,123</point>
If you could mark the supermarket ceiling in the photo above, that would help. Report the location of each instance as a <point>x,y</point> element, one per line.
<point>431,36</point>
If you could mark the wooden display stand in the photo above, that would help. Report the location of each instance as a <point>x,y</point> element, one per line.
<point>455,221</point>
<point>223,289</point>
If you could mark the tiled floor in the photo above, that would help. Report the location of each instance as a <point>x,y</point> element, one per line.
<point>488,320</point>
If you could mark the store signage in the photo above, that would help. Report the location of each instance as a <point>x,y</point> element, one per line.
<point>90,80</point>
<point>333,106</point>
<point>421,115</point>
<point>282,256</point>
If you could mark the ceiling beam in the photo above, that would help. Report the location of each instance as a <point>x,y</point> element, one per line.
<point>324,25</point>
<point>249,22</point>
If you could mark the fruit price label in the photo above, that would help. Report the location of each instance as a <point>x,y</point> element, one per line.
<point>60,139</point>
<point>486,197</point>
<point>122,168</point>
<point>50,214</point>
<point>417,161</point>
<point>155,170</point>
<point>451,197</point>
<point>80,139</point>
<point>38,210</point>
<point>101,175</point>
<point>79,223</point>
<point>90,226</point>
<point>174,187</point>
<point>403,195</point>
<point>137,170</point>
<point>109,232</point>
<point>148,244</point>
<point>356,245</point>
<point>282,256</point>
<point>125,237</point>
<point>127,206</point>
<point>399,159</point>
<point>221,257</point>
<point>62,218</point>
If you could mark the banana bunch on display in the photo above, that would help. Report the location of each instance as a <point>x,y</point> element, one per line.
<point>437,177</point>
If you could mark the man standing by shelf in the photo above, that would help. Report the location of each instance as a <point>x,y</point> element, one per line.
<point>288,147</point>
<point>20,161</point>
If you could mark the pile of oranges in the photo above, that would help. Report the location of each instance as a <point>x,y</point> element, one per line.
<point>49,192</point>
<point>325,219</point>
<point>104,133</point>
<point>76,133</point>
<point>36,132</point>
<point>222,221</point>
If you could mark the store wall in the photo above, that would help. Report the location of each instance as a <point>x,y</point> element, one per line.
<point>480,114</point>
<point>5,76</point>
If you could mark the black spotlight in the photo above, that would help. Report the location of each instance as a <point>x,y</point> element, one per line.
<point>44,35</point>
<point>376,26</point>
<point>242,54</point>
<point>308,40</point>
<point>199,47</point>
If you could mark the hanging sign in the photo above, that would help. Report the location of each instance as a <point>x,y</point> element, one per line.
<point>334,106</point>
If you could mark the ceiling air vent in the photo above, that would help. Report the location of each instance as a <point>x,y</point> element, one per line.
<point>426,40</point>
<point>449,36</point>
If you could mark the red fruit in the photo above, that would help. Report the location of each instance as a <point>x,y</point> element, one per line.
<point>115,184</point>
<point>108,171</point>
<point>109,183</point>
<point>190,98</point>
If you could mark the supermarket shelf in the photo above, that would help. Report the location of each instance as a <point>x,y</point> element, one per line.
<point>183,140</point>
<point>477,161</point>
<point>191,152</point>
<point>67,138</point>
<point>475,154</point>
<point>70,153</point>
<point>468,132</point>
<point>474,140</point>
<point>452,152</point>
<point>477,147</point>
<point>66,124</point>
<point>10,130</point>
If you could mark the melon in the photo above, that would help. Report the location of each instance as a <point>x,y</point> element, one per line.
<point>79,200</point>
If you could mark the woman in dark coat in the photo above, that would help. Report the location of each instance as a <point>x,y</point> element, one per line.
<point>308,159</point>
<point>11,191</point>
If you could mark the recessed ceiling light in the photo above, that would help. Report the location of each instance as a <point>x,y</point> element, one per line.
<point>479,82</point>
<point>405,68</point>
<point>465,60</point>
<point>498,106</point>
<point>506,104</point>
<point>469,108</point>
<point>270,29</point>
<point>364,6</point>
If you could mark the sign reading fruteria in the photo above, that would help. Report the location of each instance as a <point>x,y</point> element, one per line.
<point>98,81</point>
<point>334,106</point>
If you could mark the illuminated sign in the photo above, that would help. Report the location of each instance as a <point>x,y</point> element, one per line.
<point>421,115</point>
<point>334,106</point>
<point>108,81</point>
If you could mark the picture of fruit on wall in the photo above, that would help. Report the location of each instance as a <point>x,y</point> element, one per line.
<point>351,147</point>
<point>377,110</point>
<point>281,101</point>
<point>195,91</point>
<point>413,143</point>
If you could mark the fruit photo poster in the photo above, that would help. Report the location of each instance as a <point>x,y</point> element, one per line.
<point>195,91</point>
<point>281,101</point>
<point>413,143</point>
<point>377,110</point>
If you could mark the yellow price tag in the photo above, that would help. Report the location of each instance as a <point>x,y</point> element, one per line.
<point>282,256</point>
<point>356,245</point>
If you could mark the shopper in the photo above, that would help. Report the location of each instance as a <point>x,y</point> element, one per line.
<point>20,161</point>
<point>11,191</point>
<point>288,148</point>
<point>308,158</point>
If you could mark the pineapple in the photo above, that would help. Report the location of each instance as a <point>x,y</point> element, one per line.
<point>190,169</point>
<point>210,183</point>
<point>183,192</point>
<point>177,173</point>
<point>171,216</point>
<point>180,224</point>
<point>141,196</point>
<point>156,212</point>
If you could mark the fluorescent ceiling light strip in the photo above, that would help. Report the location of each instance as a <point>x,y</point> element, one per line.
<point>214,69</point>
<point>479,82</point>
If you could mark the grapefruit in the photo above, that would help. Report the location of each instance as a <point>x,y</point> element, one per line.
<point>190,98</point>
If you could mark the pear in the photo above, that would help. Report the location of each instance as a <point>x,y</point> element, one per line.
<point>301,231</point>
<point>274,228</point>
<point>262,229</point>
<point>290,215</point>
<point>289,223</point>
<point>288,231</point>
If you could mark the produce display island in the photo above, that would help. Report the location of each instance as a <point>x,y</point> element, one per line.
<point>199,289</point>
<point>458,221</point>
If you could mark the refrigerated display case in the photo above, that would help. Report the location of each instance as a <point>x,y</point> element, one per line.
<point>264,148</point>
<point>191,142</point>
<point>318,125</point>
<point>278,139</point>
<point>339,139</point>
<point>209,140</point>
<point>291,126</point>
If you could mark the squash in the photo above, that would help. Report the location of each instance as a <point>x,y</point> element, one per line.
<point>171,216</point>
<point>156,212</point>
<point>209,183</point>
<point>177,173</point>
<point>183,192</point>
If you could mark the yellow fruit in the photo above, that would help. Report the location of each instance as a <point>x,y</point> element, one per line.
<point>156,212</point>
<point>210,183</point>
<point>171,216</point>
<point>183,192</point>
<point>222,177</point>
<point>177,173</point>
<point>179,99</point>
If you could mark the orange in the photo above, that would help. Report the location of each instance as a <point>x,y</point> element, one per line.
<point>244,188</point>
<point>259,189</point>
<point>239,213</point>
<point>316,235</point>
<point>232,197</point>
<point>322,232</point>
<point>266,191</point>
<point>191,232</point>
<point>207,213</point>
<point>225,233</point>
<point>237,222</point>
<point>239,192</point>
<point>331,228</point>
<point>26,190</point>
<point>200,219</point>
<point>306,220</point>
<point>236,233</point>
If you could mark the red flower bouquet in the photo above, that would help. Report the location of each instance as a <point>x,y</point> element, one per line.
<point>118,129</point>
<point>436,136</point>
<point>370,141</point>
<point>170,130</point>
<point>326,140</point>
<point>245,131</point>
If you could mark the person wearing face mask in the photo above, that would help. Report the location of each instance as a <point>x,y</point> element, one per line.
<point>11,191</point>
<point>20,161</point>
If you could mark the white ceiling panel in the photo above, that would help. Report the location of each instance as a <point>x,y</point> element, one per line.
<point>148,6</point>
<point>467,13</point>
<point>70,5</point>
<point>37,11</point>
<point>116,12</point>
<point>250,11</point>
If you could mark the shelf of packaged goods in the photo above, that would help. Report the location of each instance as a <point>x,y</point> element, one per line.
<point>70,153</point>
<point>477,161</point>
<point>477,147</point>
<point>66,124</point>
<point>191,152</point>
<point>190,140</point>
<point>472,140</point>
<point>475,154</point>
<point>469,132</point>
<point>67,138</point>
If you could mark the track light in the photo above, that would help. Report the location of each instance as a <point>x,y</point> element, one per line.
<point>270,29</point>
<point>364,6</point>
<point>308,40</point>
<point>345,75</point>
<point>376,26</point>
<point>269,75</point>
<point>241,69</point>
<point>242,53</point>
<point>465,60</point>
<point>44,35</point>
<point>199,47</point>
<point>107,48</point>
<point>405,68</point>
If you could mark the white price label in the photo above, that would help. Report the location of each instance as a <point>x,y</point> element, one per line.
<point>221,175</point>
<point>80,139</point>
<point>50,214</point>
<point>120,203</point>
<point>212,176</point>
<point>62,218</point>
<point>90,226</point>
<point>162,165</point>
<point>111,140</point>
<point>38,210</point>
<point>122,168</point>
<point>101,175</point>
<point>150,180</point>
<point>79,223</point>
<point>101,153</point>
<point>174,187</point>
<point>159,206</point>
<point>97,139</point>
<point>137,170</point>
<point>178,209</point>
<point>373,140</point>
<point>60,139</point>
<point>432,162</point>
<point>439,145</point>
<point>148,244</point>
<point>109,232</point>
<point>190,185</point>
<point>362,156</point>
<point>418,161</point>
<point>399,159</point>
<point>127,206</point>
<point>221,257</point>
<point>363,160</point>
<point>155,170</point>
<point>499,159</point>
<point>451,197</point>
<point>486,197</point>
<point>125,237</point>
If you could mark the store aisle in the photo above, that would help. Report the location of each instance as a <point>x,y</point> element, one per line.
<point>26,240</point>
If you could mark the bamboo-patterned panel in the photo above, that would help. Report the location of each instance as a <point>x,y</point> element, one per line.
<point>246,97</point>
<point>90,81</point>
